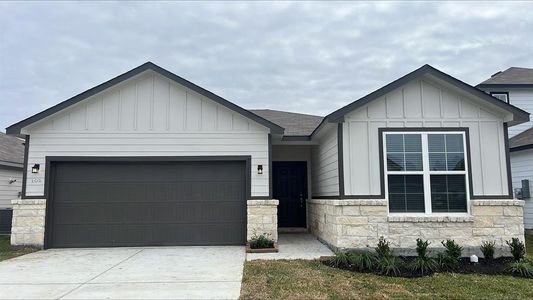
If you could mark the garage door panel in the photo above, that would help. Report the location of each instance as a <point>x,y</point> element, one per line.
<point>171,203</point>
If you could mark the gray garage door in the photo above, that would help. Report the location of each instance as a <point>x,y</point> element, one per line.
<point>147,203</point>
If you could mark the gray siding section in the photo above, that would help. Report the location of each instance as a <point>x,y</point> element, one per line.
<point>9,191</point>
<point>424,103</point>
<point>325,166</point>
<point>522,168</point>
<point>148,115</point>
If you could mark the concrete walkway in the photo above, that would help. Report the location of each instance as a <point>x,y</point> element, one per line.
<point>295,246</point>
<point>125,273</point>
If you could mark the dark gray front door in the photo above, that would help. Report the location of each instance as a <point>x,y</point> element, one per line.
<point>99,204</point>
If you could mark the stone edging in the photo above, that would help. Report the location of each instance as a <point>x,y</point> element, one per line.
<point>351,202</point>
<point>510,202</point>
<point>28,201</point>
<point>431,219</point>
<point>266,202</point>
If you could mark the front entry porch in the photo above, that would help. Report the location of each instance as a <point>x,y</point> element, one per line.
<point>295,246</point>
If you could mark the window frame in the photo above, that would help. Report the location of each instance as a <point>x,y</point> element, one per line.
<point>426,172</point>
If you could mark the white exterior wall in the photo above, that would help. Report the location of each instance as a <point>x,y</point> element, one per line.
<point>522,98</point>
<point>9,191</point>
<point>424,103</point>
<point>148,115</point>
<point>522,168</point>
<point>325,167</point>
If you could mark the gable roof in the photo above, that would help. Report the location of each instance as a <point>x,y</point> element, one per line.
<point>522,141</point>
<point>11,151</point>
<point>15,128</point>
<point>512,77</point>
<point>519,115</point>
<point>295,124</point>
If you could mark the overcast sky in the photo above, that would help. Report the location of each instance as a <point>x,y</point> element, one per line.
<point>304,57</point>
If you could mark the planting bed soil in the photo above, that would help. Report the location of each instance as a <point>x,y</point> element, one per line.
<point>489,267</point>
<point>262,250</point>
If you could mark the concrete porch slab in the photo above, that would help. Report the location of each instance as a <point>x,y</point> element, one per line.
<point>295,246</point>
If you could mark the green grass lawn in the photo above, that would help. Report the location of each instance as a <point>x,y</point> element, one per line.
<point>299,279</point>
<point>6,252</point>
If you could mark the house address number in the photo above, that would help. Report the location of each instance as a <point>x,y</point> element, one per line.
<point>35,180</point>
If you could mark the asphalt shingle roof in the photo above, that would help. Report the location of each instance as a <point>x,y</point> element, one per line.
<point>11,150</point>
<point>511,76</point>
<point>525,138</point>
<point>295,124</point>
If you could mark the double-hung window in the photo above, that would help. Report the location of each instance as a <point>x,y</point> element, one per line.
<point>426,172</point>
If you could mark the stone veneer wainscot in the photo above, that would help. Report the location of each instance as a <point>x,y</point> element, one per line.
<point>352,224</point>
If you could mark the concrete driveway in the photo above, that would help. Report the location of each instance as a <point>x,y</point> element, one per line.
<point>125,273</point>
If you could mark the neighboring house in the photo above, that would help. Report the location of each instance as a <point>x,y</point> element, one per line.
<point>515,86</point>
<point>11,166</point>
<point>149,158</point>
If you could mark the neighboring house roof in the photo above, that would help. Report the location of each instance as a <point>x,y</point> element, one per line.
<point>11,151</point>
<point>522,141</point>
<point>15,128</point>
<point>295,124</point>
<point>519,115</point>
<point>512,77</point>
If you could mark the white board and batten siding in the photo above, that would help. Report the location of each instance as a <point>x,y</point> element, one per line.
<point>424,103</point>
<point>9,190</point>
<point>325,166</point>
<point>148,115</point>
<point>522,168</point>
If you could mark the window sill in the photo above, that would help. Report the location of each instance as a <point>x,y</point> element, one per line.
<point>431,219</point>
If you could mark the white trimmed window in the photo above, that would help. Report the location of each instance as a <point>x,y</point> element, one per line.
<point>426,172</point>
<point>501,95</point>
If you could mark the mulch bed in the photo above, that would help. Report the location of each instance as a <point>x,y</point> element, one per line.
<point>489,267</point>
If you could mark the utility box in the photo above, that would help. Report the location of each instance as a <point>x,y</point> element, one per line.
<point>525,189</point>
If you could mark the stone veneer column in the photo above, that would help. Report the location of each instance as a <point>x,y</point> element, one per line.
<point>28,222</point>
<point>263,218</point>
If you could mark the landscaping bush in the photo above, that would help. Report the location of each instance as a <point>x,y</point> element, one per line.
<point>390,265</point>
<point>449,260</point>
<point>383,248</point>
<point>487,248</point>
<point>363,262</point>
<point>518,249</point>
<point>261,241</point>
<point>341,260</point>
<point>422,263</point>
<point>521,268</point>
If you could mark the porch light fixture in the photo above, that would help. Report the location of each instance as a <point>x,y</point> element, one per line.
<point>259,169</point>
<point>35,169</point>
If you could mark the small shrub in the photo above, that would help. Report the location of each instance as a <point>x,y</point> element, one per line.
<point>390,265</point>
<point>422,248</point>
<point>446,263</point>
<point>452,249</point>
<point>341,260</point>
<point>487,248</point>
<point>521,268</point>
<point>518,249</point>
<point>261,241</point>
<point>383,248</point>
<point>424,265</point>
<point>363,262</point>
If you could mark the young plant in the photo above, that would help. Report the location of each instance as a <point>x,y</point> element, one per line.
<point>518,249</point>
<point>423,263</point>
<point>383,248</point>
<point>452,249</point>
<point>261,241</point>
<point>390,265</point>
<point>446,263</point>
<point>363,262</point>
<point>487,248</point>
<point>521,268</point>
<point>341,260</point>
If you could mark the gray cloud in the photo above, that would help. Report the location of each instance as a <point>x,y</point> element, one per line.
<point>306,57</point>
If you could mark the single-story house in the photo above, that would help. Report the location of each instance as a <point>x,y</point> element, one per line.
<point>515,86</point>
<point>11,166</point>
<point>149,158</point>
